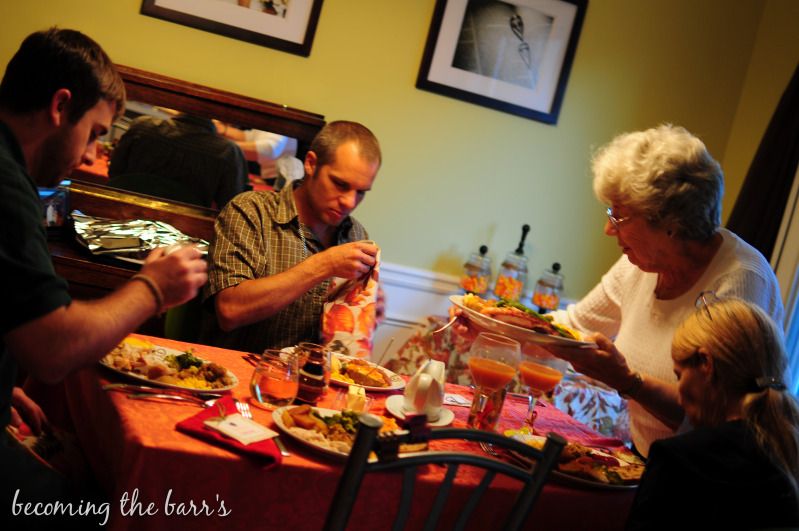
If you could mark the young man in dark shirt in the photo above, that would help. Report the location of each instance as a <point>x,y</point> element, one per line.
<point>59,93</point>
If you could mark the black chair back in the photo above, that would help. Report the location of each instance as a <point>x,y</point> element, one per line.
<point>386,448</point>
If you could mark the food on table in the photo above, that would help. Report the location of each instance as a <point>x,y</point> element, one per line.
<point>358,371</point>
<point>609,466</point>
<point>516,313</point>
<point>335,432</point>
<point>591,468</point>
<point>356,398</point>
<point>490,374</point>
<point>144,359</point>
<point>539,377</point>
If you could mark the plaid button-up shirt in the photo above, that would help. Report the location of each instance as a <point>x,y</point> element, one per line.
<point>256,235</point>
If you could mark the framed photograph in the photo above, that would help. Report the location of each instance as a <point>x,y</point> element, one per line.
<point>288,25</point>
<point>511,55</point>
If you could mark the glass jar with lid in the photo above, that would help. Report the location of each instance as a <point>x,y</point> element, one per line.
<point>476,272</point>
<point>548,289</point>
<point>513,272</point>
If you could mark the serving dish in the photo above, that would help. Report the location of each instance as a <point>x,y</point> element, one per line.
<point>516,332</point>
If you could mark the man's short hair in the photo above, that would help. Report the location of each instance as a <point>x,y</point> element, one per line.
<point>60,58</point>
<point>334,134</point>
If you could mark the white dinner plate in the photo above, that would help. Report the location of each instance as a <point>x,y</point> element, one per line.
<point>158,354</point>
<point>565,478</point>
<point>394,406</point>
<point>277,418</point>
<point>516,332</point>
<point>396,381</point>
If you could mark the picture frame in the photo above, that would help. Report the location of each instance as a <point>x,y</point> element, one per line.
<point>513,55</point>
<point>285,25</point>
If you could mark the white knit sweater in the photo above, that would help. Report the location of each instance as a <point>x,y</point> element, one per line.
<point>623,305</point>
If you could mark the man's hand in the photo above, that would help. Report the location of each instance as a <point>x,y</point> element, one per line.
<point>348,260</point>
<point>179,273</point>
<point>23,409</point>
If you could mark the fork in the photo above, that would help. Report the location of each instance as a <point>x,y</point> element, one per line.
<point>489,449</point>
<point>244,410</point>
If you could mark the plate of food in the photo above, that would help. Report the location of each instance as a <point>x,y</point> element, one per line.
<point>517,321</point>
<point>328,431</point>
<point>589,467</point>
<point>169,368</point>
<point>348,370</point>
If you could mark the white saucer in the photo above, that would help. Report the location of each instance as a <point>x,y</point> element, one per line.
<point>394,406</point>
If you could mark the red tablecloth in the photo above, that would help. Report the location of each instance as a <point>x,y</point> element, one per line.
<point>136,452</point>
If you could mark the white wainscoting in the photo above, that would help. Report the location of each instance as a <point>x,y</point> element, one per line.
<point>411,295</point>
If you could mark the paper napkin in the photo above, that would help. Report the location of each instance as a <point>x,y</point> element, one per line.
<point>263,450</point>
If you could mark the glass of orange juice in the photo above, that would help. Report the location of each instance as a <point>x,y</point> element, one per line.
<point>540,373</point>
<point>492,361</point>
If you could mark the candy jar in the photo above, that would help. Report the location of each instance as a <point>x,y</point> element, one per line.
<point>513,272</point>
<point>548,289</point>
<point>476,272</point>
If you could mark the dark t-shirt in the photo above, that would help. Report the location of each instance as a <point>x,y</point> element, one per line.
<point>28,282</point>
<point>713,478</point>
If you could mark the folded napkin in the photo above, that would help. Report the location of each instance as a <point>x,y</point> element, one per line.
<point>349,316</point>
<point>265,452</point>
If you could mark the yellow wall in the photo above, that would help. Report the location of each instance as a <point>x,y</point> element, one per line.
<point>458,175</point>
<point>774,58</point>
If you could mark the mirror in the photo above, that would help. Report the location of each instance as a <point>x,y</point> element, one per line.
<point>147,91</point>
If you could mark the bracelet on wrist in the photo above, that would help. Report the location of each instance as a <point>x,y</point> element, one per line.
<point>632,390</point>
<point>154,289</point>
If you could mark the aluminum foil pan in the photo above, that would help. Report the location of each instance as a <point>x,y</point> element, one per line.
<point>130,239</point>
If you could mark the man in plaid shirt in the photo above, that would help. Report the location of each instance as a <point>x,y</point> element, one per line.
<point>275,252</point>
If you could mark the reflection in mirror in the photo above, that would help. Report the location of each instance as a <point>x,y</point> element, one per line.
<point>257,144</point>
<point>164,153</point>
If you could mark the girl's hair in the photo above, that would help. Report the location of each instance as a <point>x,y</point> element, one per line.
<point>749,365</point>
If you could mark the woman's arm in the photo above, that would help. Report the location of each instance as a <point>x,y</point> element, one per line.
<point>609,366</point>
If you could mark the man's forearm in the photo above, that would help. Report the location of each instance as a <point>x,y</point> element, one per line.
<point>258,299</point>
<point>79,334</point>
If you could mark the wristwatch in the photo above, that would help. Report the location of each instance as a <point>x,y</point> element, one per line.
<point>632,390</point>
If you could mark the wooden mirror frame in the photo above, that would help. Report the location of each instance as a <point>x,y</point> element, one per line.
<point>244,111</point>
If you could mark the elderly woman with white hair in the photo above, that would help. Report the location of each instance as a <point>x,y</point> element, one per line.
<point>663,191</point>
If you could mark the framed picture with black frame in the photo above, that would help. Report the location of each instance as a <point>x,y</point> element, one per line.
<point>287,25</point>
<point>511,55</point>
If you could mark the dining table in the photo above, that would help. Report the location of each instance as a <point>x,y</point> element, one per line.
<point>158,478</point>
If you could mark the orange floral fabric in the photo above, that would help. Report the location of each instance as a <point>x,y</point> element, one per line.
<point>349,317</point>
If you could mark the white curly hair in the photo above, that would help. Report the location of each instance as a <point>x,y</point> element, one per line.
<point>664,174</point>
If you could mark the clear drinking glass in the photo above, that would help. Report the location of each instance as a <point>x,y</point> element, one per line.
<point>275,380</point>
<point>493,360</point>
<point>540,372</point>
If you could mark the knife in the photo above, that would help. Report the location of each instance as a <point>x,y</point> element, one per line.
<point>135,388</point>
<point>182,398</point>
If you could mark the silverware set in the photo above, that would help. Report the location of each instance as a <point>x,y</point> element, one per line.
<point>244,410</point>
